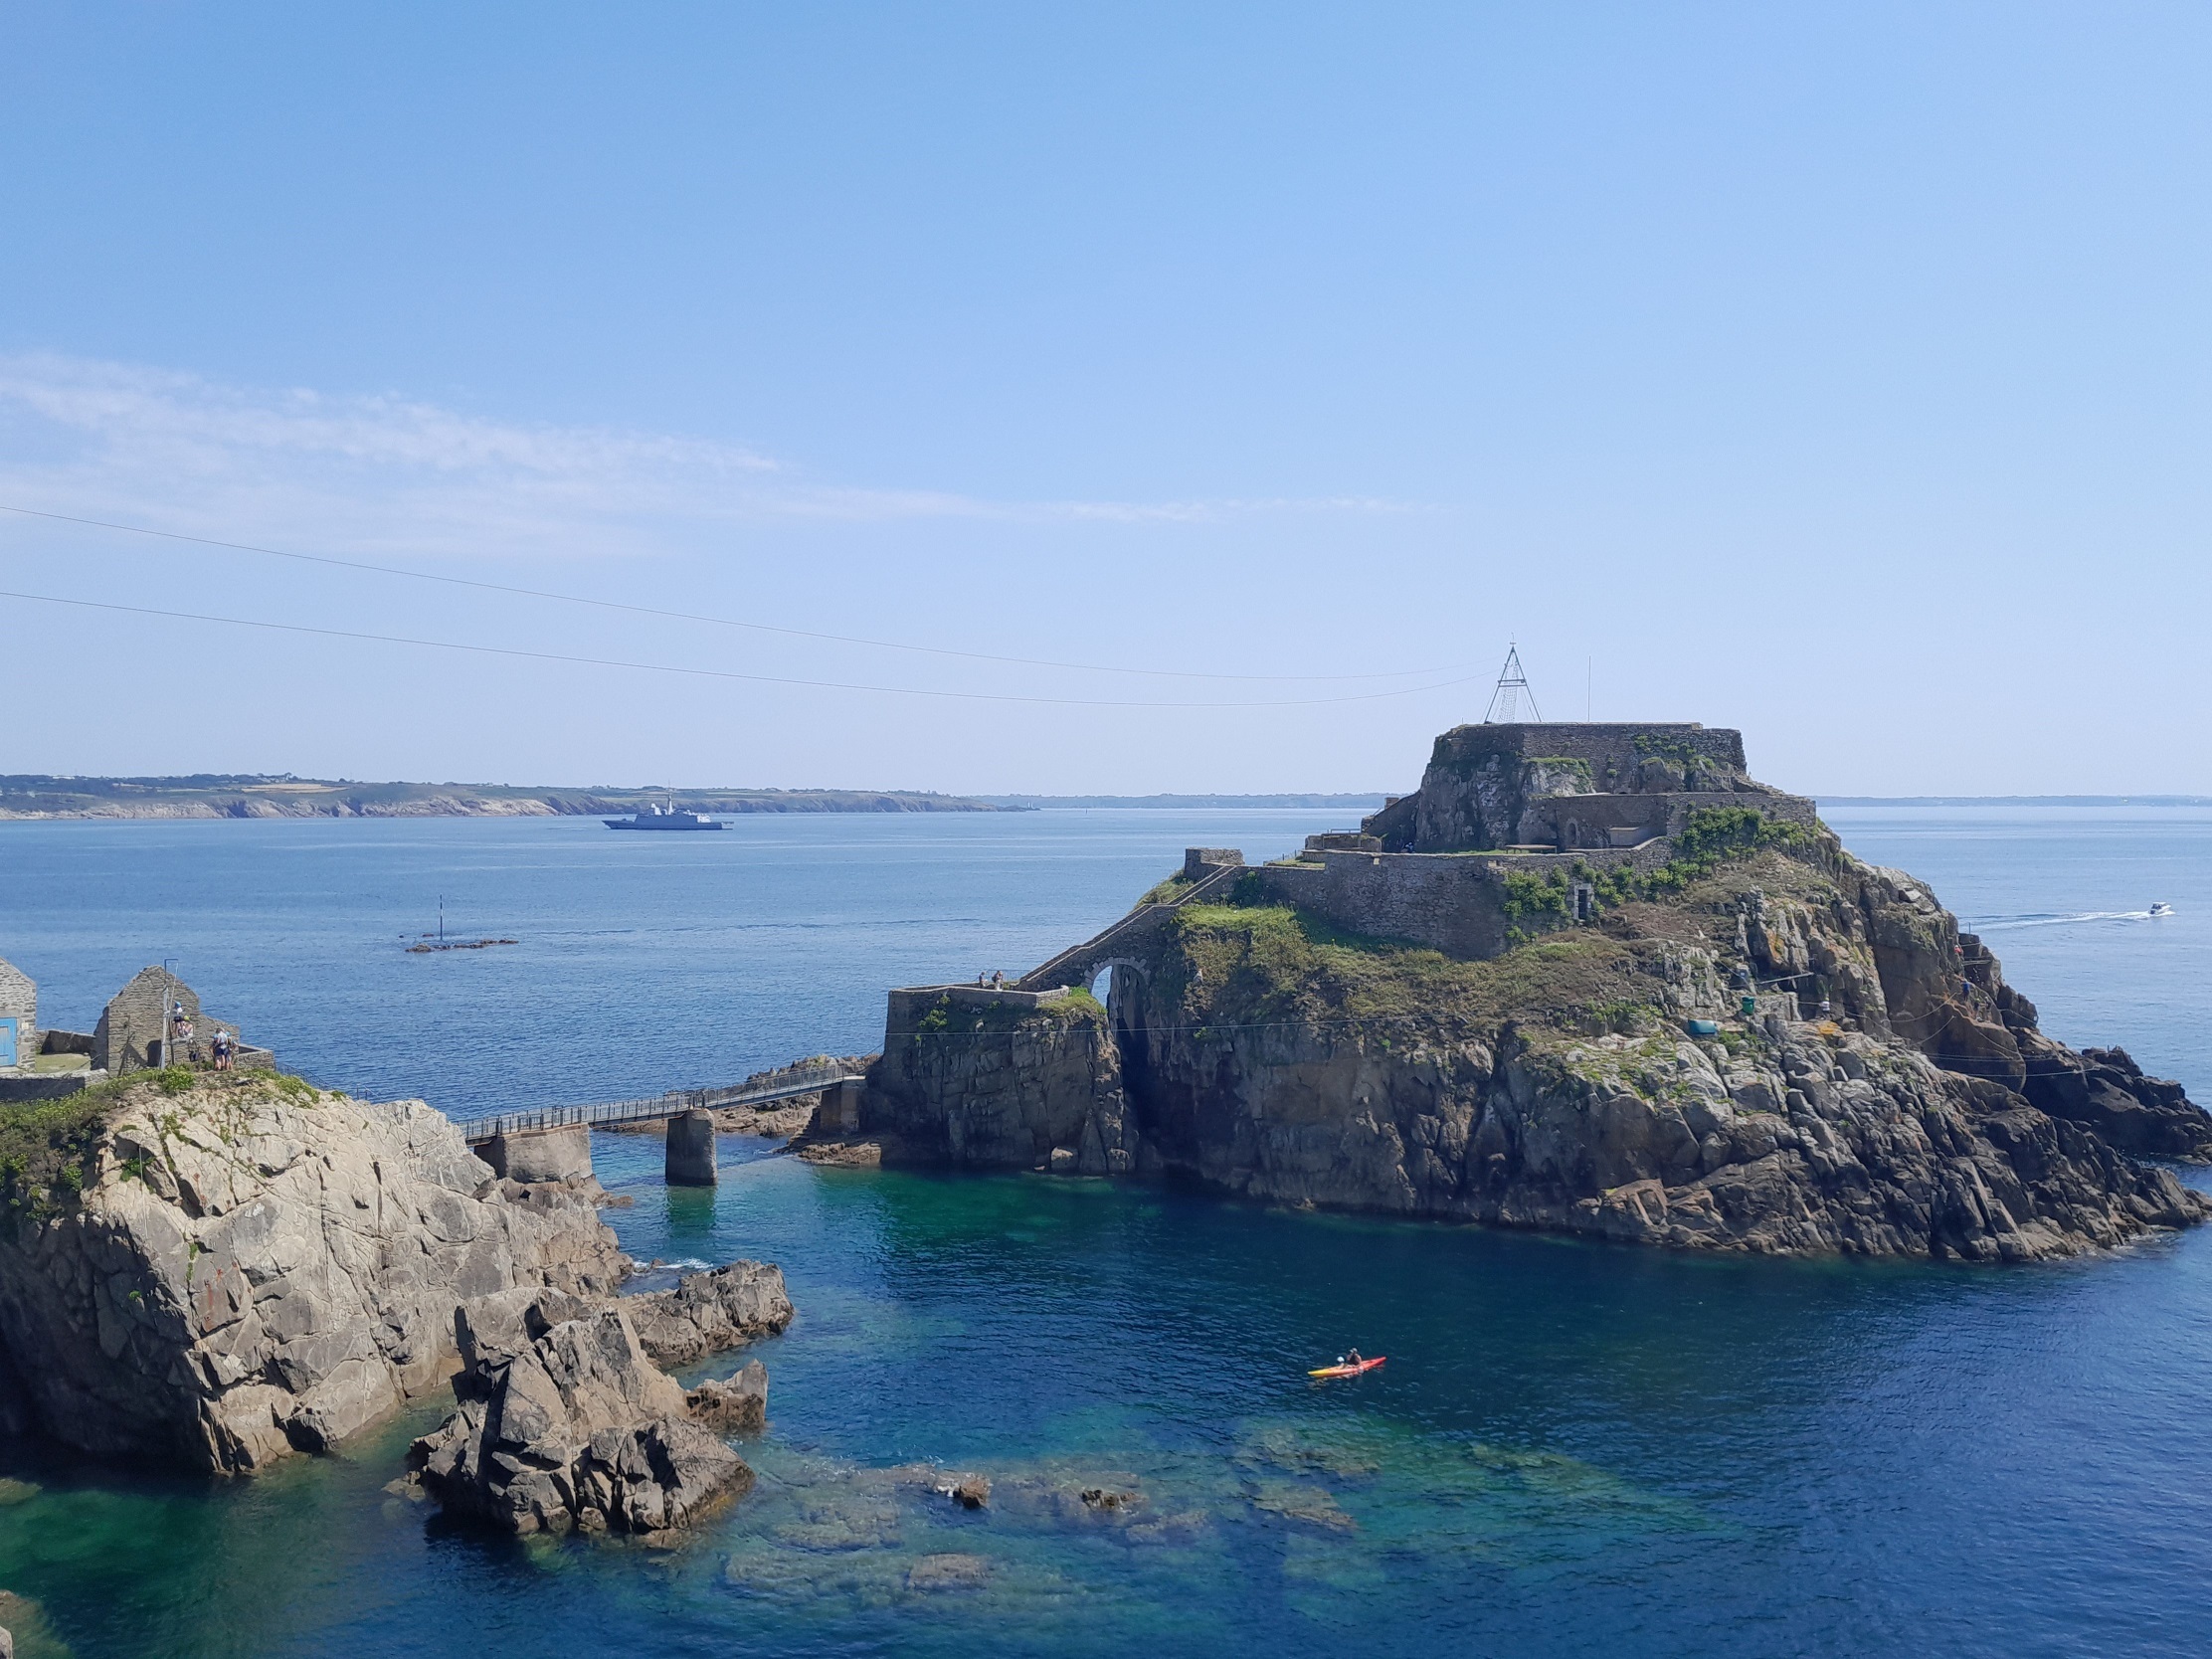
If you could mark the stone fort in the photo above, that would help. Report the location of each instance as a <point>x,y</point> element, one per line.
<point>1556,801</point>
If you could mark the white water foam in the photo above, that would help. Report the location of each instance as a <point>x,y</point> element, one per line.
<point>1995,924</point>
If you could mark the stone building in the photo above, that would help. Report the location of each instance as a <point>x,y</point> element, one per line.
<point>130,1036</point>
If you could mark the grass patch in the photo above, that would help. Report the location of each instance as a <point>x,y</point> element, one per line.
<point>1276,965</point>
<point>946,1017</point>
<point>1165,892</point>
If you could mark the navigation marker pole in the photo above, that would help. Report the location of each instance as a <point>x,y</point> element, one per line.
<point>1513,684</point>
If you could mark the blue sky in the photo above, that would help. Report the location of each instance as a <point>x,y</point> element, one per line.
<point>1838,372</point>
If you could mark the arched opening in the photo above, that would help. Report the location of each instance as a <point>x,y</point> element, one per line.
<point>1125,1017</point>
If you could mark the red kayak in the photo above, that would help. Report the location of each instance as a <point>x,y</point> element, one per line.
<point>1348,1370</point>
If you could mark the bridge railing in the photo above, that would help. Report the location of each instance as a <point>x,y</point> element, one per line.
<point>608,1113</point>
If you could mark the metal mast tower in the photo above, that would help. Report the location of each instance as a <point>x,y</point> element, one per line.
<point>1513,686</point>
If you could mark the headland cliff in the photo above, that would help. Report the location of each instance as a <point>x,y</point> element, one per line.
<point>1588,979</point>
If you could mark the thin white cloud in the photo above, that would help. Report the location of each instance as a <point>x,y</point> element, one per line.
<point>389,473</point>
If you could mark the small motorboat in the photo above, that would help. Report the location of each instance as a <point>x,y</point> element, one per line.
<point>2160,908</point>
<point>1351,1370</point>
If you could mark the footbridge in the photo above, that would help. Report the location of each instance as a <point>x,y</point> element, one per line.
<point>553,1143</point>
<point>1211,871</point>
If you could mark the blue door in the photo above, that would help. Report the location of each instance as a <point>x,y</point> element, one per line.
<point>7,1039</point>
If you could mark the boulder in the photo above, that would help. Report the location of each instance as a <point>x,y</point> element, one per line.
<point>709,1312</point>
<point>576,1429</point>
<point>737,1405</point>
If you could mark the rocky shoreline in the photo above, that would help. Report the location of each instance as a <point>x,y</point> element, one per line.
<point>218,1272</point>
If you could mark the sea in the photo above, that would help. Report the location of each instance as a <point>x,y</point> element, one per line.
<point>1574,1448</point>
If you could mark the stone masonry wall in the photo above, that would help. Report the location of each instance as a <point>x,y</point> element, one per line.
<point>1573,821</point>
<point>1449,904</point>
<point>19,1001</point>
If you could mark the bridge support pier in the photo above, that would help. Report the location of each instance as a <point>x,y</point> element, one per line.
<point>534,1155</point>
<point>840,1111</point>
<point>691,1149</point>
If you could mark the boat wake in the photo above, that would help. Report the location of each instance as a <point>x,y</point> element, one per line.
<point>1997,924</point>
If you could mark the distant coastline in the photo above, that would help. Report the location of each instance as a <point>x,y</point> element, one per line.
<point>253,796</point>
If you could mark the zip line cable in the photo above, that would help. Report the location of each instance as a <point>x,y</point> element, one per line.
<point>693,617</point>
<point>708,673</point>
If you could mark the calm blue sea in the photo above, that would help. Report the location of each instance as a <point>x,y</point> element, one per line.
<point>1574,1448</point>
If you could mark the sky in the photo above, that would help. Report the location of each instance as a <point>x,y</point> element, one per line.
<point>1130,398</point>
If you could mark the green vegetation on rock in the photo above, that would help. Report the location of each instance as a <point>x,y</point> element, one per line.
<point>945,1016</point>
<point>47,1146</point>
<point>1168,891</point>
<point>1272,963</point>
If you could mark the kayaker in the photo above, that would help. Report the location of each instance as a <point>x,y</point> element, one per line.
<point>1352,1359</point>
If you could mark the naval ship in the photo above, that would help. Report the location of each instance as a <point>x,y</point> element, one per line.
<point>664,818</point>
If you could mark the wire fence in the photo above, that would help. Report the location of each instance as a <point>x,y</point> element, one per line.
<point>784,1085</point>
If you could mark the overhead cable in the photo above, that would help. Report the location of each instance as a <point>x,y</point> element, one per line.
<point>708,673</point>
<point>693,617</point>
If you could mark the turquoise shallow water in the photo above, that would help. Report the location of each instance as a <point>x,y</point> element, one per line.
<point>1573,1448</point>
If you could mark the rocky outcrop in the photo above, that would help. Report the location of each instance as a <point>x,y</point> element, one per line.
<point>565,1424</point>
<point>221,1276</point>
<point>566,1420</point>
<point>709,1312</point>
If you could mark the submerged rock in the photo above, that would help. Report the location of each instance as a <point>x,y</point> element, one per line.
<point>949,1571</point>
<point>249,1267</point>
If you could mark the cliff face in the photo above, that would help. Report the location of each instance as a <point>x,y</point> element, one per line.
<point>1003,1088</point>
<point>1562,1085</point>
<point>222,1275</point>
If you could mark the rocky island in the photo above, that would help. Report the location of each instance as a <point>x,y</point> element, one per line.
<point>1591,978</point>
